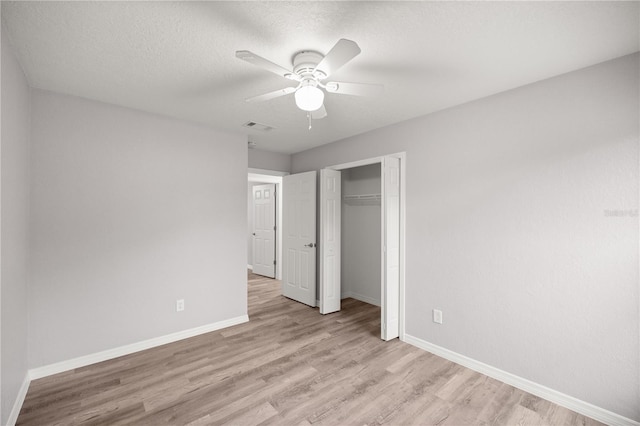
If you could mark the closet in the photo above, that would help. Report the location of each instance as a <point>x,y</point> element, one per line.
<point>361,240</point>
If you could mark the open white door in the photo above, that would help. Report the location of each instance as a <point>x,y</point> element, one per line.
<point>330,209</point>
<point>391,248</point>
<point>264,230</point>
<point>299,233</point>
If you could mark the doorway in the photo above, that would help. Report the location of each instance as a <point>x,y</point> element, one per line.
<point>391,249</point>
<point>361,242</point>
<point>329,240</point>
<point>263,217</point>
<point>256,177</point>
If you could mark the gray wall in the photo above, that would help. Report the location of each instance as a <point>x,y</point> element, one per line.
<point>522,228</point>
<point>130,211</point>
<point>269,160</point>
<point>14,147</point>
<point>361,235</point>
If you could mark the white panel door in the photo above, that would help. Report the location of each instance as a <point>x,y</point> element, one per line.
<point>299,233</point>
<point>330,209</point>
<point>264,230</point>
<point>391,249</point>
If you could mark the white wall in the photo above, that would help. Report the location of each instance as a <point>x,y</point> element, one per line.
<point>269,160</point>
<point>130,211</point>
<point>522,227</point>
<point>361,235</point>
<point>14,147</point>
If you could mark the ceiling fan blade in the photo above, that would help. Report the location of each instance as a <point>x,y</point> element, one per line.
<point>343,51</point>
<point>319,113</point>
<point>271,95</point>
<point>265,64</point>
<point>357,89</point>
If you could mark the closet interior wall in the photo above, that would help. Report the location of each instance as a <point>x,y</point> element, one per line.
<point>361,233</point>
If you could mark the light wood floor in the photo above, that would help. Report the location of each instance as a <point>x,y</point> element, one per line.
<point>288,366</point>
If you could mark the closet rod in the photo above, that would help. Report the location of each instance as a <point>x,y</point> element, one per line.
<point>363,197</point>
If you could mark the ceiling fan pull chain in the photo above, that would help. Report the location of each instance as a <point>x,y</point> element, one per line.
<point>309,117</point>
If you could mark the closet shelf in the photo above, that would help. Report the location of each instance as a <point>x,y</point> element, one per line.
<point>362,198</point>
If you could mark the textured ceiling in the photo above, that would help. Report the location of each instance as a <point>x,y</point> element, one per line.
<point>178,58</point>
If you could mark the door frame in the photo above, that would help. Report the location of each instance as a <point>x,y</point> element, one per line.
<point>403,182</point>
<point>272,176</point>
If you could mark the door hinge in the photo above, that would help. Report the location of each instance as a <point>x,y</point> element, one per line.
<point>274,227</point>
<point>274,262</point>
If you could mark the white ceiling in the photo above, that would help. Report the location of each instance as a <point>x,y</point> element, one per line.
<point>178,58</point>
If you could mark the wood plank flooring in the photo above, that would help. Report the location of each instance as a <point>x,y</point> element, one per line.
<point>288,366</point>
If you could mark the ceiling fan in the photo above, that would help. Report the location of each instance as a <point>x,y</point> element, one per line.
<point>310,69</point>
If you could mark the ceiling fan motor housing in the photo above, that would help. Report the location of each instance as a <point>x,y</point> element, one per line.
<point>305,62</point>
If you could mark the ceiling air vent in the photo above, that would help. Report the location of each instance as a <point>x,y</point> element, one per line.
<point>257,126</point>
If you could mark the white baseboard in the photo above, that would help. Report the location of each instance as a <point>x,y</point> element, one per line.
<point>574,404</point>
<point>17,405</point>
<point>362,298</point>
<point>250,267</point>
<point>59,367</point>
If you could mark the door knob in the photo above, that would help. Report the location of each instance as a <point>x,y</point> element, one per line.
<point>312,245</point>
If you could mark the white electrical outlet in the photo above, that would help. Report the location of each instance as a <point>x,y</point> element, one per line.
<point>179,305</point>
<point>437,316</point>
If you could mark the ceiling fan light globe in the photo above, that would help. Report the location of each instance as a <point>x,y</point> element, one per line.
<point>309,98</point>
